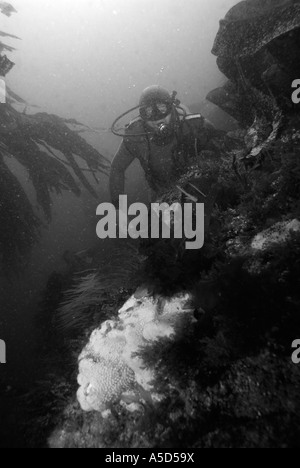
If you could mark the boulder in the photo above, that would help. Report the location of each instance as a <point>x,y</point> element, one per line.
<point>257,49</point>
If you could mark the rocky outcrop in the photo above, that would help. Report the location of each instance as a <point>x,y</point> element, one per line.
<point>257,47</point>
<point>253,24</point>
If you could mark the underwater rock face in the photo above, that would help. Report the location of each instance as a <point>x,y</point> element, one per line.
<point>253,24</point>
<point>109,370</point>
<point>257,49</point>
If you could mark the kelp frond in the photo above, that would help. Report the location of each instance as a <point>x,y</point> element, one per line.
<point>55,157</point>
<point>46,147</point>
<point>29,139</point>
<point>7,9</point>
<point>5,64</point>
<point>6,46</point>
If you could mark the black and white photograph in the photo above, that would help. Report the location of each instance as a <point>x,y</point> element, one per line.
<point>149,226</point>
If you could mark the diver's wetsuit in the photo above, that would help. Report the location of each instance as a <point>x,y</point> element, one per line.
<point>163,163</point>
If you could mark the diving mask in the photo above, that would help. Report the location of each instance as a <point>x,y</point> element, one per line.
<point>155,111</point>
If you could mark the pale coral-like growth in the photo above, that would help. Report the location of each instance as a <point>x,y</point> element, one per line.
<point>277,234</point>
<point>109,367</point>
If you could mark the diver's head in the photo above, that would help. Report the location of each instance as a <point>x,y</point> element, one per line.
<point>155,104</point>
<point>161,113</point>
<point>157,111</point>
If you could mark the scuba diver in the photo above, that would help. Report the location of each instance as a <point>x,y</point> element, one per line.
<point>165,138</point>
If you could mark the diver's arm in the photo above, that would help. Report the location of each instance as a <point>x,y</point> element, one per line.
<point>121,162</point>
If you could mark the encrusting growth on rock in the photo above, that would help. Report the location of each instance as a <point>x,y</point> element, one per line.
<point>109,365</point>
